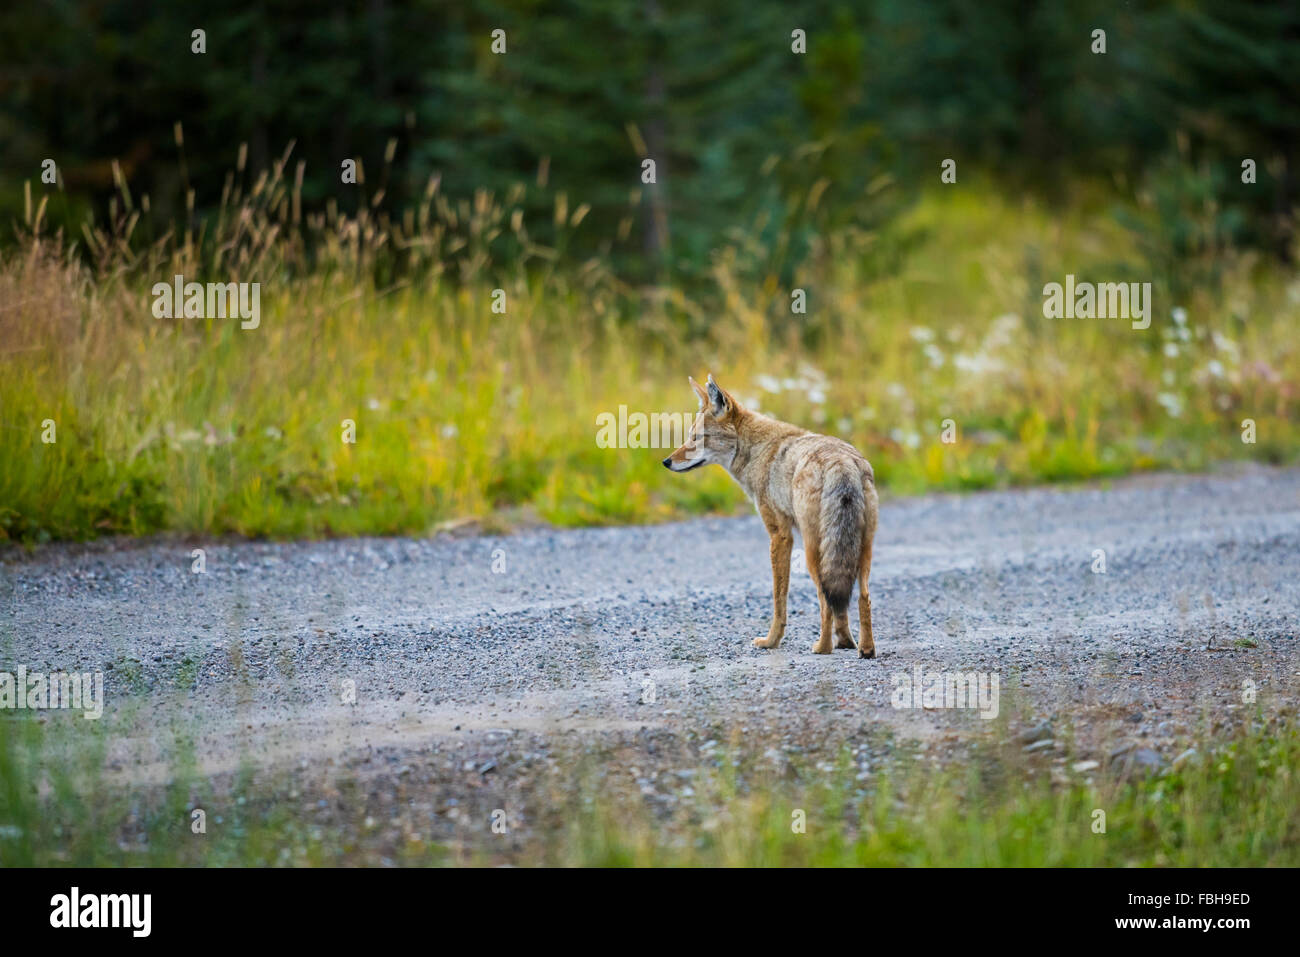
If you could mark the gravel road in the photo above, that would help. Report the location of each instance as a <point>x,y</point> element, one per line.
<point>475,660</point>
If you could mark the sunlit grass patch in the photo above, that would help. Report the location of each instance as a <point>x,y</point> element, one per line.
<point>200,426</point>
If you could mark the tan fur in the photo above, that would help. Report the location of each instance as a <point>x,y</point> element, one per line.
<point>796,479</point>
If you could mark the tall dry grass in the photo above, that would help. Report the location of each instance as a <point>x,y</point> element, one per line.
<point>199,426</point>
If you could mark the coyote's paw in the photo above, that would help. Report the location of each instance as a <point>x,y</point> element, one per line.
<point>867,652</point>
<point>820,649</point>
<point>762,641</point>
<point>844,643</point>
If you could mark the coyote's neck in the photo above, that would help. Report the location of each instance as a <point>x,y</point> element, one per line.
<point>759,439</point>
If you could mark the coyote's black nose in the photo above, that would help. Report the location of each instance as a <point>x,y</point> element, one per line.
<point>668,462</point>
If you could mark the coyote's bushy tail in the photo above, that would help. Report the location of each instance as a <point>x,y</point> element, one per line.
<point>843,521</point>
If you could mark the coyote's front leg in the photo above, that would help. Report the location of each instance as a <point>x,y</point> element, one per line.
<point>782,541</point>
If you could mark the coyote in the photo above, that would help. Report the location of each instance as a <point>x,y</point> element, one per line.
<point>795,478</point>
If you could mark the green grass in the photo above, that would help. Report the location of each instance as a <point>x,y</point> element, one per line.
<point>197,426</point>
<point>1236,805</point>
<point>996,808</point>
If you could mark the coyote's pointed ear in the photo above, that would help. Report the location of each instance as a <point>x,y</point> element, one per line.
<point>699,392</point>
<point>719,402</point>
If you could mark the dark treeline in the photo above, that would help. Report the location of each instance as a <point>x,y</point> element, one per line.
<point>743,130</point>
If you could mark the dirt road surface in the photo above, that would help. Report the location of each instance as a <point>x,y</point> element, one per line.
<point>455,673</point>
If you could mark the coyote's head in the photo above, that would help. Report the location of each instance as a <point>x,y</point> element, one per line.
<point>713,436</point>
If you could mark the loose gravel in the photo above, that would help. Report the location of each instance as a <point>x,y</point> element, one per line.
<point>454,665</point>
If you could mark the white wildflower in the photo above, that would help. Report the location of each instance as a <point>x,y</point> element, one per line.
<point>1171,403</point>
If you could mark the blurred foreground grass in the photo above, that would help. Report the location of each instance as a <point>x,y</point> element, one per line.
<point>1233,803</point>
<point>199,426</point>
